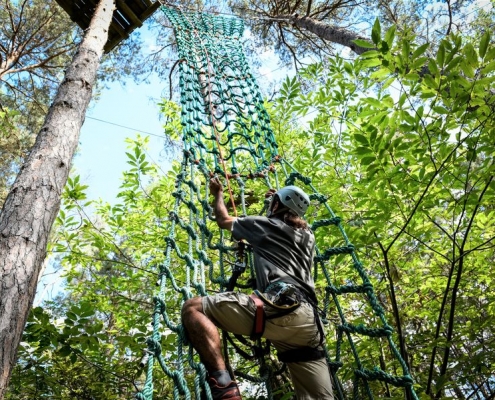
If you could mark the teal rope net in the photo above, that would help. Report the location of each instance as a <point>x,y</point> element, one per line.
<point>226,131</point>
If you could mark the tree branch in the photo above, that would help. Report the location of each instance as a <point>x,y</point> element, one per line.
<point>395,308</point>
<point>308,9</point>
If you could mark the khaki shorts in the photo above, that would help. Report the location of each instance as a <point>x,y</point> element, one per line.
<point>234,312</point>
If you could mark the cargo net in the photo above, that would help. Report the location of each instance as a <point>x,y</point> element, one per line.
<point>227,133</point>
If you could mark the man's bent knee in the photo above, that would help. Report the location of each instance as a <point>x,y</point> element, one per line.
<point>192,306</point>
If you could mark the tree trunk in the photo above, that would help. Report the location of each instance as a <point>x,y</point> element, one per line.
<point>34,200</point>
<point>330,33</point>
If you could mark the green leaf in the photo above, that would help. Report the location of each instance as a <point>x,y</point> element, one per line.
<point>420,50</point>
<point>440,110</point>
<point>471,55</point>
<point>367,160</point>
<point>388,82</point>
<point>488,68</point>
<point>364,43</point>
<point>371,54</point>
<point>361,138</point>
<point>405,51</point>
<point>348,67</point>
<point>419,62</point>
<point>376,32</point>
<point>372,62</point>
<point>65,351</point>
<point>363,150</point>
<point>388,101</point>
<point>490,55</point>
<point>390,35</point>
<point>432,66</point>
<point>485,39</point>
<point>452,64</point>
<point>430,82</point>
<point>419,112</point>
<point>380,73</point>
<point>467,68</point>
<point>413,76</point>
<point>441,54</point>
<point>373,102</point>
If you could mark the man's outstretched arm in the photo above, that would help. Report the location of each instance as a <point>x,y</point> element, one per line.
<point>224,220</point>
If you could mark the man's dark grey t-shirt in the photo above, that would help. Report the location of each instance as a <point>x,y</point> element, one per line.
<point>281,253</point>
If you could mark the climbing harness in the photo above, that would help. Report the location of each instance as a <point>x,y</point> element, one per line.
<point>226,131</point>
<point>285,298</point>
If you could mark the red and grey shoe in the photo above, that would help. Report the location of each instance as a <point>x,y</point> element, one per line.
<point>229,392</point>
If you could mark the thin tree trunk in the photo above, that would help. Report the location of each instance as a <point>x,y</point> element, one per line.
<point>330,33</point>
<point>455,288</point>
<point>34,200</point>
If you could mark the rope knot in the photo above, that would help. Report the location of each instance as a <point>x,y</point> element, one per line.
<point>319,197</point>
<point>368,287</point>
<point>159,305</point>
<point>154,346</point>
<point>389,329</point>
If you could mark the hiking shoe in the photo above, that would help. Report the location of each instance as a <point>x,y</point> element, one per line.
<point>229,392</point>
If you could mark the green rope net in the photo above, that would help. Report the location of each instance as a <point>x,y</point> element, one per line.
<point>226,131</point>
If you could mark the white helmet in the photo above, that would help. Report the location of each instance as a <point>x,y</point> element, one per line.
<point>293,198</point>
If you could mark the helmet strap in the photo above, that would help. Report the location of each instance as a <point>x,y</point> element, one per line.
<point>274,200</point>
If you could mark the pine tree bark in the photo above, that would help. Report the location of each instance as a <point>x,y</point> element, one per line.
<point>330,33</point>
<point>34,200</point>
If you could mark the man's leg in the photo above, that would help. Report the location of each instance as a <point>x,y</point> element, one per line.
<point>203,335</point>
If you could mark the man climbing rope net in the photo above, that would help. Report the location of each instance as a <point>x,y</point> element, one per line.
<point>283,308</point>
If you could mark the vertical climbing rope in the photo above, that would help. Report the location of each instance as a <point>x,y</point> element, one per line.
<point>226,131</point>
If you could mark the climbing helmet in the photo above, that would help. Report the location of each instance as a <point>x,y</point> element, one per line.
<point>293,198</point>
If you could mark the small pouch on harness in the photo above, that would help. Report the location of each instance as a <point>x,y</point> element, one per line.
<point>281,294</point>
<point>278,308</point>
<point>259,318</point>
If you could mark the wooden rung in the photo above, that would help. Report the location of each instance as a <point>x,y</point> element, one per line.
<point>144,16</point>
<point>119,29</point>
<point>129,13</point>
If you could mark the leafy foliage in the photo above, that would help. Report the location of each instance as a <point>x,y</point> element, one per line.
<point>88,343</point>
<point>37,42</point>
<point>406,157</point>
<point>13,146</point>
<point>413,153</point>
